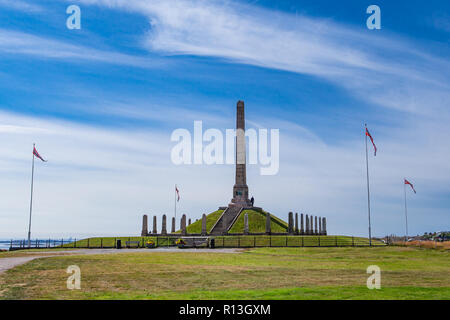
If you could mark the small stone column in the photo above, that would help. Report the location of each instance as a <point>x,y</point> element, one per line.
<point>144,232</point>
<point>155,230</point>
<point>324,225</point>
<point>246,229</point>
<point>307,225</point>
<point>315,225</point>
<point>204,225</point>
<point>296,223</point>
<point>183,225</point>
<point>290,223</point>
<point>268,223</point>
<point>173,225</point>
<point>189,222</point>
<point>302,226</point>
<point>320,225</point>
<point>164,225</point>
<point>311,229</point>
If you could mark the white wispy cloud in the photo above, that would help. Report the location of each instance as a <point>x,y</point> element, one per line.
<point>367,63</point>
<point>17,42</point>
<point>22,6</point>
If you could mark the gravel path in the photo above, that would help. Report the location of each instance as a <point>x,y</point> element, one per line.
<point>8,263</point>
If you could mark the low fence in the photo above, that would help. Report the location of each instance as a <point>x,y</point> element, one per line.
<point>244,241</point>
<point>293,241</point>
<point>39,244</point>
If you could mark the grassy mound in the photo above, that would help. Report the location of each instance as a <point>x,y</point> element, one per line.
<point>257,222</point>
<point>196,227</point>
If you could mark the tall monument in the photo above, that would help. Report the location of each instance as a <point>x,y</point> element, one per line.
<point>240,188</point>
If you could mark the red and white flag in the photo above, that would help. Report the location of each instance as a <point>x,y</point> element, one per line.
<point>37,155</point>
<point>371,139</point>
<point>412,187</point>
<point>178,193</point>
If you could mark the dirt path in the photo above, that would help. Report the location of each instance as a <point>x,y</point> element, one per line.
<point>8,263</point>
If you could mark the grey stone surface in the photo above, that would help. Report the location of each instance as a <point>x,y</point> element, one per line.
<point>189,222</point>
<point>320,225</point>
<point>155,227</point>
<point>311,229</point>
<point>204,225</point>
<point>268,230</point>
<point>302,226</point>
<point>290,223</point>
<point>315,225</point>
<point>246,229</point>
<point>296,224</point>
<point>164,225</point>
<point>183,225</point>
<point>307,225</point>
<point>324,224</point>
<point>240,188</point>
<point>173,225</point>
<point>144,231</point>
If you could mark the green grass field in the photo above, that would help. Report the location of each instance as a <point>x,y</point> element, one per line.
<point>260,273</point>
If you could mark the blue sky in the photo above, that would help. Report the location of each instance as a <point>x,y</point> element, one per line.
<point>101,103</point>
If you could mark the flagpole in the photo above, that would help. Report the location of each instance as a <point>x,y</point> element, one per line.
<point>31,199</point>
<point>406,212</point>
<point>368,189</point>
<point>175,202</point>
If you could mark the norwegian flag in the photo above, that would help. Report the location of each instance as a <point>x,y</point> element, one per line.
<point>37,155</point>
<point>178,193</point>
<point>371,139</point>
<point>412,187</point>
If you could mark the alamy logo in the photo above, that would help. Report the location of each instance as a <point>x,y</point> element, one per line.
<point>74,280</point>
<point>374,280</point>
<point>374,20</point>
<point>190,150</point>
<point>74,20</point>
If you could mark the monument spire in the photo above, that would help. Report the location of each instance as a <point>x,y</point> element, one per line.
<point>240,188</point>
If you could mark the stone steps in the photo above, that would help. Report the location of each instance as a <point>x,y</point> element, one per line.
<point>226,219</point>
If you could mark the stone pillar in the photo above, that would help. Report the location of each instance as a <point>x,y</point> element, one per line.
<point>246,230</point>
<point>173,225</point>
<point>296,223</point>
<point>307,225</point>
<point>302,226</point>
<point>311,229</point>
<point>324,225</point>
<point>164,225</point>
<point>290,223</point>
<point>268,223</point>
<point>320,225</point>
<point>189,222</point>
<point>315,225</point>
<point>204,225</point>
<point>183,225</point>
<point>155,230</point>
<point>240,188</point>
<point>144,232</point>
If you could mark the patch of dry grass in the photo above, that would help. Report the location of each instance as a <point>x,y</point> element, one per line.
<point>426,244</point>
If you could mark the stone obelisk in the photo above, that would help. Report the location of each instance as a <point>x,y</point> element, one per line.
<point>240,188</point>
